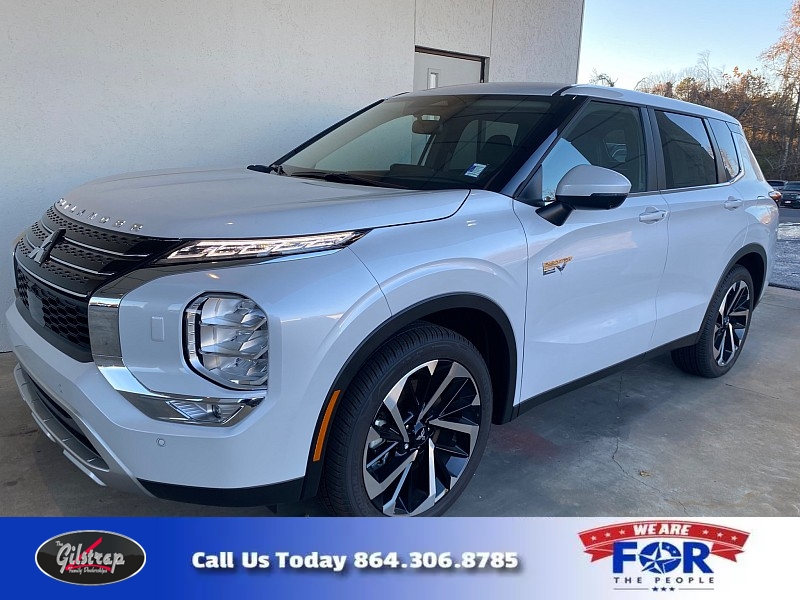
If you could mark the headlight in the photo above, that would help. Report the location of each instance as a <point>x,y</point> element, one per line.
<point>227,340</point>
<point>228,249</point>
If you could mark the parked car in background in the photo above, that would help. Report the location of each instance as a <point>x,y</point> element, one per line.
<point>350,319</point>
<point>777,184</point>
<point>790,196</point>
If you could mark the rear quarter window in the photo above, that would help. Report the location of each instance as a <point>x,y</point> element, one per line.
<point>727,148</point>
<point>748,158</point>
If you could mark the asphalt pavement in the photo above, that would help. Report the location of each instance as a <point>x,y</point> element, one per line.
<point>787,264</point>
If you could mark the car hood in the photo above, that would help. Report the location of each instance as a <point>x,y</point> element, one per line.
<point>239,203</point>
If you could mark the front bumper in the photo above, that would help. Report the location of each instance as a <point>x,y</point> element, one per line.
<point>119,447</point>
<point>320,308</point>
<point>61,429</point>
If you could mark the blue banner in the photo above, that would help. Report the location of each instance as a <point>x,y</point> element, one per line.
<point>397,558</point>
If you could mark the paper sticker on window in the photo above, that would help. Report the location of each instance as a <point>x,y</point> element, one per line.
<point>475,170</point>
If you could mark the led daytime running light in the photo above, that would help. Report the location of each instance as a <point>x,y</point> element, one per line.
<point>225,249</point>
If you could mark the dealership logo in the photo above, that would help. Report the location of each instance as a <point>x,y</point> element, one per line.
<point>90,557</point>
<point>663,556</point>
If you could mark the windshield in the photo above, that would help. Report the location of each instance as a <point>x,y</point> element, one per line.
<point>431,142</point>
<point>792,186</point>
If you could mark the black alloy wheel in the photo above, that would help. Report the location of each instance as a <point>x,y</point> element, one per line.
<point>411,428</point>
<point>724,329</point>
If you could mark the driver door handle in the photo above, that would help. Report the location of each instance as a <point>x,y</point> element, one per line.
<point>733,203</point>
<point>652,215</point>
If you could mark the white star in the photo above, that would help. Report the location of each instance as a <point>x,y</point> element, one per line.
<point>594,538</point>
<point>734,538</point>
<point>608,534</point>
<point>705,531</point>
<point>622,532</point>
<point>719,535</point>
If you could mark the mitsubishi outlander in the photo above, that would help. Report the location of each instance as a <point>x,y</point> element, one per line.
<point>350,319</point>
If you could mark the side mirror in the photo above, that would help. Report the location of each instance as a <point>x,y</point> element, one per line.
<point>586,187</point>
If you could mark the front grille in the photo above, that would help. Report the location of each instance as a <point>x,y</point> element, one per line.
<point>60,314</point>
<point>56,292</point>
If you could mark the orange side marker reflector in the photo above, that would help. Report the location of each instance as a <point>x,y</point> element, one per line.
<point>323,429</point>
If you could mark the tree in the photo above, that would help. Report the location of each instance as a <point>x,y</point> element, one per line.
<point>602,79</point>
<point>704,72</point>
<point>767,104</point>
<point>784,58</point>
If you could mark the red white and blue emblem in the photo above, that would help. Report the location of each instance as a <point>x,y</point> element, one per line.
<point>663,556</point>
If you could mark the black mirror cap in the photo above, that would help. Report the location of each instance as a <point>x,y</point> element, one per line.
<point>558,211</point>
<point>593,202</point>
<point>555,213</point>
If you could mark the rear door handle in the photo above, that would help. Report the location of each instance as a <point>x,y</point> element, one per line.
<point>733,203</point>
<point>652,215</point>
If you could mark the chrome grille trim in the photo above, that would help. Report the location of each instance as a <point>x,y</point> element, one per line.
<point>30,246</point>
<point>84,269</point>
<point>50,284</point>
<point>104,251</point>
<point>93,248</point>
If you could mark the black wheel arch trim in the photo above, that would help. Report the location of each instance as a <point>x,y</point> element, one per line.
<point>744,251</point>
<point>504,407</point>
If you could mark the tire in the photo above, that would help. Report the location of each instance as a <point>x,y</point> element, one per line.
<point>724,329</point>
<point>411,428</point>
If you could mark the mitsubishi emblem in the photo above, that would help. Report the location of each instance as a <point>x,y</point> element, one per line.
<point>42,253</point>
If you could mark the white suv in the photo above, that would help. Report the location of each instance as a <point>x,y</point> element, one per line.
<point>352,318</point>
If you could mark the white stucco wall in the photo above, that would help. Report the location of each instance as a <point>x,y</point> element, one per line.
<point>536,40</point>
<point>463,26</point>
<point>89,88</point>
<point>525,40</point>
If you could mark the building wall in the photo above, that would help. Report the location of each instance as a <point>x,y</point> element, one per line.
<point>536,41</point>
<point>96,87</point>
<point>525,40</point>
<point>463,26</point>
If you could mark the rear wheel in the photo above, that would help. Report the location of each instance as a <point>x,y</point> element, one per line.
<point>724,328</point>
<point>411,428</point>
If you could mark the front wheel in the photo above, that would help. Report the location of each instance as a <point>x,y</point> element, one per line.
<point>411,429</point>
<point>724,328</point>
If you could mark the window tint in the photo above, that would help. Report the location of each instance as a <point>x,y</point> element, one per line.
<point>368,153</point>
<point>688,156</point>
<point>727,148</point>
<point>434,141</point>
<point>604,135</point>
<point>482,138</point>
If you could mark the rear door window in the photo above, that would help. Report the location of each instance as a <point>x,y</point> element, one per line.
<point>688,154</point>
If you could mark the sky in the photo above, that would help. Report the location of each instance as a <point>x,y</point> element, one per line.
<point>630,39</point>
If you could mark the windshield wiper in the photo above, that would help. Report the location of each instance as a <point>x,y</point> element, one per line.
<point>344,177</point>
<point>267,169</point>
